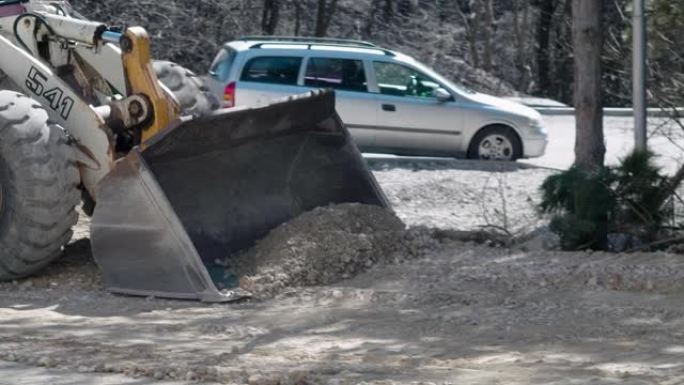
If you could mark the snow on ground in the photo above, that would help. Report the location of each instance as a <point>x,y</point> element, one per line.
<point>459,313</point>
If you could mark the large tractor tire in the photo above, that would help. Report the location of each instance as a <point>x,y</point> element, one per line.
<point>189,89</point>
<point>38,187</point>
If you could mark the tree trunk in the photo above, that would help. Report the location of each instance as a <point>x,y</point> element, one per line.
<point>389,10</point>
<point>298,17</point>
<point>588,45</point>
<point>546,10</point>
<point>367,30</point>
<point>487,34</point>
<point>269,16</point>
<point>561,57</point>
<point>468,11</point>
<point>324,14</point>
<point>520,23</point>
<point>406,7</point>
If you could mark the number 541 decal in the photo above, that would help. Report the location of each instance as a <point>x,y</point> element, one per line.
<point>35,81</point>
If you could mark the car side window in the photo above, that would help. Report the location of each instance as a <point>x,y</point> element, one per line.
<point>340,74</point>
<point>223,63</point>
<point>398,80</point>
<point>276,70</point>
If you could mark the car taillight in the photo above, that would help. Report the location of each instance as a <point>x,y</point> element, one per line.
<point>229,95</point>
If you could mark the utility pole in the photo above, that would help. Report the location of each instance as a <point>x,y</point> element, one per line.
<point>639,75</point>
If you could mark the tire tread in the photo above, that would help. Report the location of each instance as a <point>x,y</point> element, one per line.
<point>189,89</point>
<point>41,190</point>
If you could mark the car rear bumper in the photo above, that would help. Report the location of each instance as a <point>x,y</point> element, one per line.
<point>534,146</point>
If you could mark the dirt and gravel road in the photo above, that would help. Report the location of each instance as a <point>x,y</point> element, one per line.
<point>446,313</point>
<point>19,374</point>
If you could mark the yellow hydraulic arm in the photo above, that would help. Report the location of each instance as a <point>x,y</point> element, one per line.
<point>137,63</point>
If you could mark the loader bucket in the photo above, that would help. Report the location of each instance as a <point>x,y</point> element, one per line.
<point>209,187</point>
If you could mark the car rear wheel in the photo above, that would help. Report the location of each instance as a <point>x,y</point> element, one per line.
<point>499,143</point>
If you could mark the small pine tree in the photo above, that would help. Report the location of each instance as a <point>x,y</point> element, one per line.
<point>588,205</point>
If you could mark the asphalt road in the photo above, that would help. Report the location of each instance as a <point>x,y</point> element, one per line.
<point>619,141</point>
<point>666,140</point>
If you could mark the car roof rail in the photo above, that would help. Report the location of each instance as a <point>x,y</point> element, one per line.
<point>312,41</point>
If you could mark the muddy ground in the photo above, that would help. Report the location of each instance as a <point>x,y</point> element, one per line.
<point>451,313</point>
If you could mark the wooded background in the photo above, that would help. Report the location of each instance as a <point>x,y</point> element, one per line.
<point>502,47</point>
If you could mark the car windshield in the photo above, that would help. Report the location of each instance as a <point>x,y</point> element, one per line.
<point>431,73</point>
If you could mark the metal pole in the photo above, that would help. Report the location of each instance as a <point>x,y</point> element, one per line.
<point>639,75</point>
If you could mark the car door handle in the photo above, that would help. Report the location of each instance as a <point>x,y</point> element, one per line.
<point>389,107</point>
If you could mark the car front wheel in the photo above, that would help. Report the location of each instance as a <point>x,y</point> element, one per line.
<point>496,143</point>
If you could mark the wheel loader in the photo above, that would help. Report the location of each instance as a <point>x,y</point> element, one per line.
<point>173,184</point>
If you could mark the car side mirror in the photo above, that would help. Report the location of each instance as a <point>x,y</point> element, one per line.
<point>443,95</point>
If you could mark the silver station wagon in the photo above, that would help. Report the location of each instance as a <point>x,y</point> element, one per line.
<point>390,102</point>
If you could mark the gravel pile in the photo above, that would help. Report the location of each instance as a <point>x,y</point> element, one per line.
<point>327,245</point>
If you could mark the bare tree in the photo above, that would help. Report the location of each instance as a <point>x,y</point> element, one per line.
<point>367,30</point>
<point>269,16</point>
<point>521,18</point>
<point>561,53</point>
<point>407,7</point>
<point>588,45</point>
<point>468,11</point>
<point>547,8</point>
<point>487,7</point>
<point>298,17</point>
<point>389,10</point>
<point>324,14</point>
